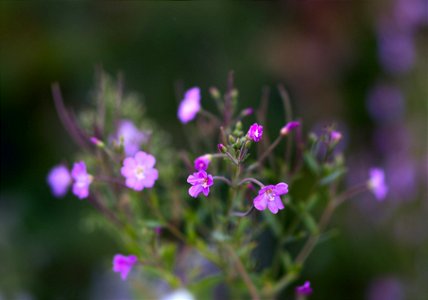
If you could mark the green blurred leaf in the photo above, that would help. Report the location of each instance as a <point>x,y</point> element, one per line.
<point>311,163</point>
<point>332,177</point>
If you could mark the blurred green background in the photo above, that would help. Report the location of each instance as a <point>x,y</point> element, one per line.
<point>325,52</point>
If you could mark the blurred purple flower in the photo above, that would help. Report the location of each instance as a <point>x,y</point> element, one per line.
<point>395,48</point>
<point>335,136</point>
<point>387,288</point>
<point>269,196</point>
<point>410,14</point>
<point>377,184</point>
<point>288,127</point>
<point>132,137</point>
<point>255,132</point>
<point>202,162</point>
<point>139,171</point>
<point>385,102</point>
<point>305,289</point>
<point>59,180</point>
<point>190,105</point>
<point>123,264</point>
<point>402,176</point>
<point>201,182</point>
<point>82,180</point>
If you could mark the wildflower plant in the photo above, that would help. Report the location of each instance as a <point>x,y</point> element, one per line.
<point>233,215</point>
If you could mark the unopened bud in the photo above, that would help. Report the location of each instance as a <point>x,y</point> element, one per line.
<point>96,142</point>
<point>215,93</point>
<point>221,148</point>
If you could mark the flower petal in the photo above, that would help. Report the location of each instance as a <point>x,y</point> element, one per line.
<point>260,202</point>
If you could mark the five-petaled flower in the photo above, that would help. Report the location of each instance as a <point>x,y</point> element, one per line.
<point>255,132</point>
<point>288,127</point>
<point>82,180</point>
<point>377,183</point>
<point>139,171</point>
<point>59,180</point>
<point>123,264</point>
<point>305,289</point>
<point>269,196</point>
<point>131,137</point>
<point>201,182</point>
<point>190,105</point>
<point>202,162</point>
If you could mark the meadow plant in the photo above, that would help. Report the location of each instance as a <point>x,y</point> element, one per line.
<point>250,213</point>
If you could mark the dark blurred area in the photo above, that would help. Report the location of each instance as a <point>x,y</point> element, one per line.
<point>361,64</point>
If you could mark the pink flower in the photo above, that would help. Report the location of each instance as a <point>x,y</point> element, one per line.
<point>131,135</point>
<point>202,162</point>
<point>335,136</point>
<point>201,182</point>
<point>305,289</point>
<point>377,183</point>
<point>59,180</point>
<point>288,127</point>
<point>123,264</point>
<point>269,196</point>
<point>190,105</point>
<point>255,132</point>
<point>82,180</point>
<point>139,171</point>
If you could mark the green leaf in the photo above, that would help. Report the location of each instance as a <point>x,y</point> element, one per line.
<point>332,177</point>
<point>311,163</point>
<point>310,223</point>
<point>203,287</point>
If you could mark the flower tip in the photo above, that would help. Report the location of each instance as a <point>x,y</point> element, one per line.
<point>288,127</point>
<point>96,142</point>
<point>221,148</point>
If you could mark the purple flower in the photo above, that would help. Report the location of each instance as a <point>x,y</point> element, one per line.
<point>139,171</point>
<point>123,264</point>
<point>59,180</point>
<point>305,289</point>
<point>82,180</point>
<point>269,196</point>
<point>202,162</point>
<point>385,102</point>
<point>190,105</point>
<point>377,184</point>
<point>131,136</point>
<point>288,127</point>
<point>201,182</point>
<point>255,132</point>
<point>335,136</point>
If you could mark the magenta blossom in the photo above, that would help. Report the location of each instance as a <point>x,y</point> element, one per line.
<point>335,136</point>
<point>288,127</point>
<point>377,183</point>
<point>82,180</point>
<point>123,264</point>
<point>202,162</point>
<point>255,132</point>
<point>190,105</point>
<point>59,180</point>
<point>139,171</point>
<point>131,137</point>
<point>269,196</point>
<point>305,289</point>
<point>201,182</point>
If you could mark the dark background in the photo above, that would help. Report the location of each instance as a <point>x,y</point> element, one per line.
<point>325,52</point>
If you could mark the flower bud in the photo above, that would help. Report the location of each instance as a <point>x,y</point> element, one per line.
<point>221,148</point>
<point>215,93</point>
<point>96,142</point>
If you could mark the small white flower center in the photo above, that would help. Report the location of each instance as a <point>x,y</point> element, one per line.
<point>270,195</point>
<point>139,172</point>
<point>256,133</point>
<point>205,183</point>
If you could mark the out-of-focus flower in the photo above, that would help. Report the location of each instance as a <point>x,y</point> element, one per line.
<point>335,136</point>
<point>396,48</point>
<point>82,180</point>
<point>131,137</point>
<point>387,288</point>
<point>139,171</point>
<point>247,111</point>
<point>221,148</point>
<point>123,264</point>
<point>305,289</point>
<point>385,102</point>
<point>96,141</point>
<point>201,182</point>
<point>288,127</point>
<point>202,162</point>
<point>190,105</point>
<point>180,294</point>
<point>410,14</point>
<point>59,180</point>
<point>255,132</point>
<point>269,196</point>
<point>377,184</point>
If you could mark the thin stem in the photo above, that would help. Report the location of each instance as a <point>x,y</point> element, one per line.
<point>224,179</point>
<point>210,116</point>
<point>244,274</point>
<point>104,210</point>
<point>243,214</point>
<point>253,180</point>
<point>266,153</point>
<point>360,188</point>
<point>110,180</point>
